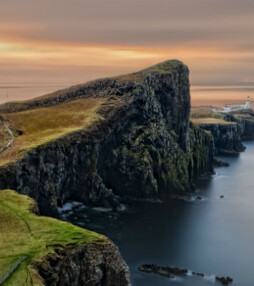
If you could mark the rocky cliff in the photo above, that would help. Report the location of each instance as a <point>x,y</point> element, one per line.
<point>141,147</point>
<point>227,137</point>
<point>245,120</point>
<point>92,264</point>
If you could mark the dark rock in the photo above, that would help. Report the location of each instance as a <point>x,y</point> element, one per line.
<point>199,198</point>
<point>227,138</point>
<point>245,122</point>
<point>224,280</point>
<point>165,271</point>
<point>96,264</point>
<point>171,271</point>
<point>219,163</point>
<point>222,197</point>
<point>198,274</point>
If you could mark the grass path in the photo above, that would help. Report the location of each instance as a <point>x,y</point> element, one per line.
<point>11,134</point>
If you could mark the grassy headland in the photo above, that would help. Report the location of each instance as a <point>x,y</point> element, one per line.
<point>37,126</point>
<point>24,234</point>
<point>39,121</point>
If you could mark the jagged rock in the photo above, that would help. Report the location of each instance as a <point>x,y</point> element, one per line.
<point>219,163</point>
<point>224,280</point>
<point>198,274</point>
<point>162,270</point>
<point>245,121</point>
<point>227,138</point>
<point>97,264</point>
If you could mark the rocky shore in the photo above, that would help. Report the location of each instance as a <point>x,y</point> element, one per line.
<point>171,272</point>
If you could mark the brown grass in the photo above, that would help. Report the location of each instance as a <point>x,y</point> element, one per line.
<point>211,120</point>
<point>199,112</point>
<point>45,124</point>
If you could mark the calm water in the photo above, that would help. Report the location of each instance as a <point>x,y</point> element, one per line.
<point>214,236</point>
<point>17,92</point>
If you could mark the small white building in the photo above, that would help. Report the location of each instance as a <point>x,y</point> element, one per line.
<point>236,107</point>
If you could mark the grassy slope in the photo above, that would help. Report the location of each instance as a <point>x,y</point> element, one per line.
<point>45,124</point>
<point>201,115</point>
<point>23,233</point>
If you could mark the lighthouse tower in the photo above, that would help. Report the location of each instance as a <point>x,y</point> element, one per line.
<point>247,104</point>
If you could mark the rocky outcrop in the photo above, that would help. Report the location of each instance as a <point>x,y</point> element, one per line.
<point>171,272</point>
<point>227,138</point>
<point>92,264</point>
<point>143,147</point>
<point>245,122</point>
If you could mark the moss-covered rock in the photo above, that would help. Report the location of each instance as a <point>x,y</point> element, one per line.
<point>44,251</point>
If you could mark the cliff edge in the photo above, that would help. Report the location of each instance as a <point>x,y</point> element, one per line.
<point>127,136</point>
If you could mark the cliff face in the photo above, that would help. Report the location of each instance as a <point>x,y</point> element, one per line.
<point>143,147</point>
<point>227,138</point>
<point>94,264</point>
<point>245,122</point>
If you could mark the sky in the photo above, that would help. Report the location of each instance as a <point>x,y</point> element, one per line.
<point>63,42</point>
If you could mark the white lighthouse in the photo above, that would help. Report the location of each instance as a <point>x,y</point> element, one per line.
<point>236,107</point>
<point>247,104</point>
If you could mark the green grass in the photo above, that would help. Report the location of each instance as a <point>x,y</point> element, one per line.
<point>23,233</point>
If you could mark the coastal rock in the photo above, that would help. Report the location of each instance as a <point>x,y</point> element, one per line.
<point>245,121</point>
<point>227,138</point>
<point>198,274</point>
<point>218,163</point>
<point>169,272</point>
<point>94,264</point>
<point>224,280</point>
<point>143,146</point>
<point>165,271</point>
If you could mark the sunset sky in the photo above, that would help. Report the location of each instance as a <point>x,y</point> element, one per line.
<point>63,42</point>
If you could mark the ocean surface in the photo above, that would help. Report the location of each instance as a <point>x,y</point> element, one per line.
<point>200,95</point>
<point>19,92</point>
<point>214,236</point>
